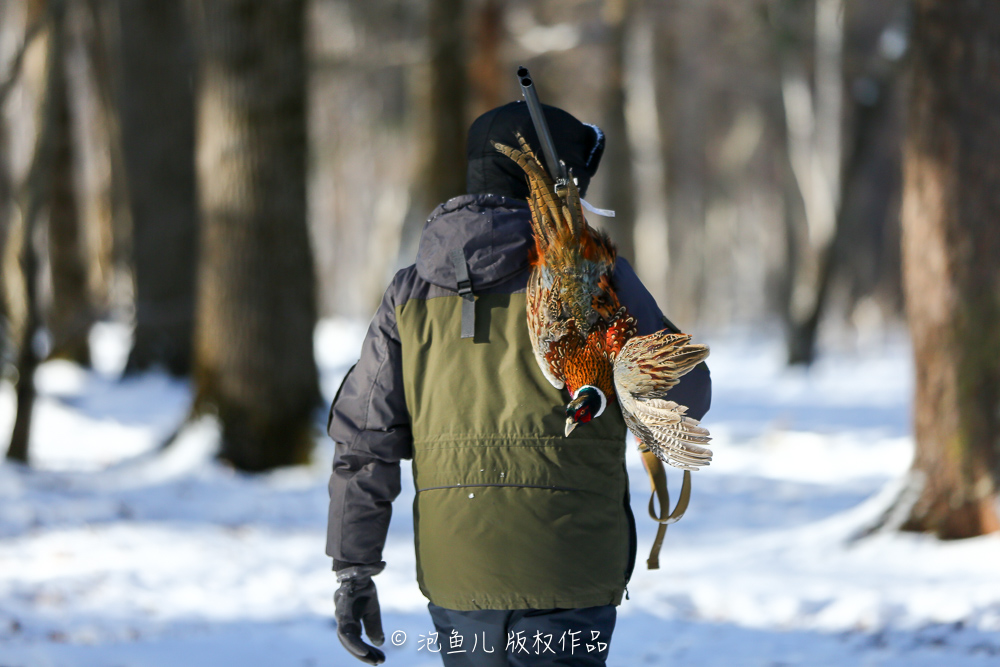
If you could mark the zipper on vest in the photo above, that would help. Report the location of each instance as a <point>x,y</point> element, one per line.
<point>514,486</point>
<point>626,593</point>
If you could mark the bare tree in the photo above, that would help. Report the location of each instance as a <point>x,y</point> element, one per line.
<point>951,243</point>
<point>12,29</point>
<point>7,76</point>
<point>486,75</point>
<point>617,161</point>
<point>847,215</point>
<point>98,34</point>
<point>441,170</point>
<point>813,120</point>
<point>256,308</point>
<point>648,171</point>
<point>157,72</point>
<point>43,15</point>
<point>687,169</point>
<point>71,312</point>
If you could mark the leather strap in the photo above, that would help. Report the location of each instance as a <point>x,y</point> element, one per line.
<point>658,482</point>
<point>464,286</point>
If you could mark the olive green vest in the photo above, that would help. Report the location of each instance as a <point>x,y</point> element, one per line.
<point>509,513</point>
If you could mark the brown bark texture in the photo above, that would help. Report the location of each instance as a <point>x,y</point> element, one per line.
<point>486,70</point>
<point>951,246</point>
<point>256,310</point>
<point>156,103</point>
<point>445,171</point>
<point>71,312</point>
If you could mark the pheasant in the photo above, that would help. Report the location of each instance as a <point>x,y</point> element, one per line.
<point>586,341</point>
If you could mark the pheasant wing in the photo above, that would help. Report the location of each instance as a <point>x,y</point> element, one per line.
<point>663,428</point>
<point>645,369</point>
<point>540,327</point>
<point>649,366</point>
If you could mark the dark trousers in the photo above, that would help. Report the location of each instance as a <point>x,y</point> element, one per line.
<point>524,637</point>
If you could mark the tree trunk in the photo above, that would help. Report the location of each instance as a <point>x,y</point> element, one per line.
<point>256,309</point>
<point>35,193</point>
<point>441,169</point>
<point>687,168</point>
<point>617,160</point>
<point>648,170</point>
<point>6,209</point>
<point>102,42</point>
<point>486,75</point>
<point>14,28</point>
<point>951,205</point>
<point>157,69</point>
<point>6,186</point>
<point>71,312</point>
<point>869,121</point>
<point>813,119</point>
<point>444,171</point>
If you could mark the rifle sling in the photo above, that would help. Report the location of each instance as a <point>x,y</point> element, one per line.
<point>658,482</point>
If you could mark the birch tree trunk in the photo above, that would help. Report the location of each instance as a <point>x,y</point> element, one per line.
<point>256,309</point>
<point>951,270</point>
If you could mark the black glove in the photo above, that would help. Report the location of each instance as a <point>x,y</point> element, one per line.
<point>356,601</point>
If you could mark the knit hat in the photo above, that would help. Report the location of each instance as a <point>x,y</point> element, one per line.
<point>579,145</point>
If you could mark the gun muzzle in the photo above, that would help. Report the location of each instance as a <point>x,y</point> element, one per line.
<point>557,170</point>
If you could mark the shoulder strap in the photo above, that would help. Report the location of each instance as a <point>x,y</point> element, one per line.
<point>658,482</point>
<point>464,286</point>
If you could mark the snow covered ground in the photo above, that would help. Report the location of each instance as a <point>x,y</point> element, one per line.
<point>112,553</point>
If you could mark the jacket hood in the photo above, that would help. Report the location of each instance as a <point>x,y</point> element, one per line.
<point>494,233</point>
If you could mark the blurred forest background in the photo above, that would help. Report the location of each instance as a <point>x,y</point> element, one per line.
<point>220,173</point>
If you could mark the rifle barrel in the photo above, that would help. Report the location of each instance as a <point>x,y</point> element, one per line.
<point>556,169</point>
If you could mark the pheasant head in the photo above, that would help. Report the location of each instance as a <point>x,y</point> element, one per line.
<point>588,402</point>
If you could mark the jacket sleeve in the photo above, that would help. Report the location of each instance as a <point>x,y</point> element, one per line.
<point>694,389</point>
<point>371,427</point>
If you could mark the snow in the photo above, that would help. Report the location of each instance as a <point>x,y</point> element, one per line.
<point>113,552</point>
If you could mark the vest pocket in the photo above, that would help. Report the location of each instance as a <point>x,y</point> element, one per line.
<point>530,546</point>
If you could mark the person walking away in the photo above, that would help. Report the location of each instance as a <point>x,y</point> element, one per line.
<point>524,537</point>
